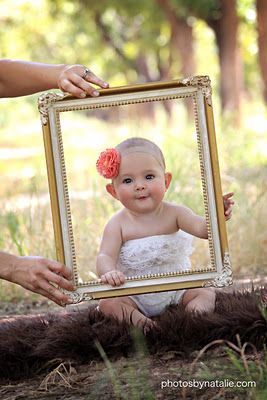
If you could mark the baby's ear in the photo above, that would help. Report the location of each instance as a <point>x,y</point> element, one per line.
<point>168,178</point>
<point>111,190</point>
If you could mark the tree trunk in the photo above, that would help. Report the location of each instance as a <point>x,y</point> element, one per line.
<point>139,64</point>
<point>182,42</point>
<point>181,38</point>
<point>231,76</point>
<point>261,6</point>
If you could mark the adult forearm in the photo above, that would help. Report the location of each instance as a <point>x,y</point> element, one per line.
<point>7,263</point>
<point>19,78</point>
<point>38,274</point>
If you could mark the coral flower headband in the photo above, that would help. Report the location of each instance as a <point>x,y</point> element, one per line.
<point>108,163</point>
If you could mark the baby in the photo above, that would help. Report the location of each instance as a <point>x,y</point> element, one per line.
<point>144,237</point>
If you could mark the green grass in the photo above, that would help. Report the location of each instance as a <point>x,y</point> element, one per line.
<point>25,217</point>
<point>219,369</point>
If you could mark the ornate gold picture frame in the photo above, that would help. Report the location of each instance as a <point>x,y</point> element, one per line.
<point>54,108</point>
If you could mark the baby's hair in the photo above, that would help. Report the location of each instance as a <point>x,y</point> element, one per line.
<point>141,144</point>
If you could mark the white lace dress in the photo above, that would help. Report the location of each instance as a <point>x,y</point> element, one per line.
<point>152,255</point>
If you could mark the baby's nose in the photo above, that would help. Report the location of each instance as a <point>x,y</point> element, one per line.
<point>140,185</point>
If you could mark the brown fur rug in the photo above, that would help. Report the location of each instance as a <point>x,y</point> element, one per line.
<point>33,344</point>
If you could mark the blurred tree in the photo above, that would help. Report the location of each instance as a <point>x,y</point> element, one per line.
<point>181,42</point>
<point>132,38</point>
<point>225,28</point>
<point>181,39</point>
<point>261,6</point>
<point>221,17</point>
<point>140,41</point>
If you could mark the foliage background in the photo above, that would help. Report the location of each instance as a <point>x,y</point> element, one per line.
<point>129,42</point>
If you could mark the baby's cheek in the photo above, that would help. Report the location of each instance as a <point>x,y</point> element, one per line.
<point>159,190</point>
<point>125,194</point>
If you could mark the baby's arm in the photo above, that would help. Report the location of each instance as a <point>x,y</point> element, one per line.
<point>191,223</point>
<point>106,263</point>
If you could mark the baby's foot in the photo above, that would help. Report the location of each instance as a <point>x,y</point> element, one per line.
<point>148,325</point>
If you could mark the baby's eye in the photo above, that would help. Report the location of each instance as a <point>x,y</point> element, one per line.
<point>127,180</point>
<point>150,176</point>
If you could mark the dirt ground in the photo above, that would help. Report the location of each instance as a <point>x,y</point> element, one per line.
<point>161,376</point>
<point>94,382</point>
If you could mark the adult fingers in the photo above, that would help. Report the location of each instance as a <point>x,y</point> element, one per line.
<point>89,76</point>
<point>75,80</point>
<point>59,280</point>
<point>51,292</point>
<point>67,86</point>
<point>59,268</point>
<point>83,84</point>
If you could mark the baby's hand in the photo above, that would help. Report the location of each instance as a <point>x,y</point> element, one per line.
<point>227,203</point>
<point>114,278</point>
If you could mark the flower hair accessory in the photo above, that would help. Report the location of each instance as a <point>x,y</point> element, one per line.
<point>108,163</point>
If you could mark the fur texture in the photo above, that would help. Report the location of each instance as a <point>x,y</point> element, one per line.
<point>33,344</point>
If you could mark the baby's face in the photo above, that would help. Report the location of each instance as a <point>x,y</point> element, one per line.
<point>141,183</point>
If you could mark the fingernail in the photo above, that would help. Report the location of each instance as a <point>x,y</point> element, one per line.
<point>83,95</point>
<point>105,84</point>
<point>95,93</point>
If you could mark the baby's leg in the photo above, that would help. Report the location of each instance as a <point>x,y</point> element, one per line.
<point>202,299</point>
<point>125,309</point>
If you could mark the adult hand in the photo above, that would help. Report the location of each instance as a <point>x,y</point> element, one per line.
<point>42,276</point>
<point>75,79</point>
<point>21,78</point>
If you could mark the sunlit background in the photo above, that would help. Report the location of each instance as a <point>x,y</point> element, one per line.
<point>125,43</point>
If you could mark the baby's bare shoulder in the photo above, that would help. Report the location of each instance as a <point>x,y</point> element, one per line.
<point>174,208</point>
<point>113,227</point>
<point>117,218</point>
